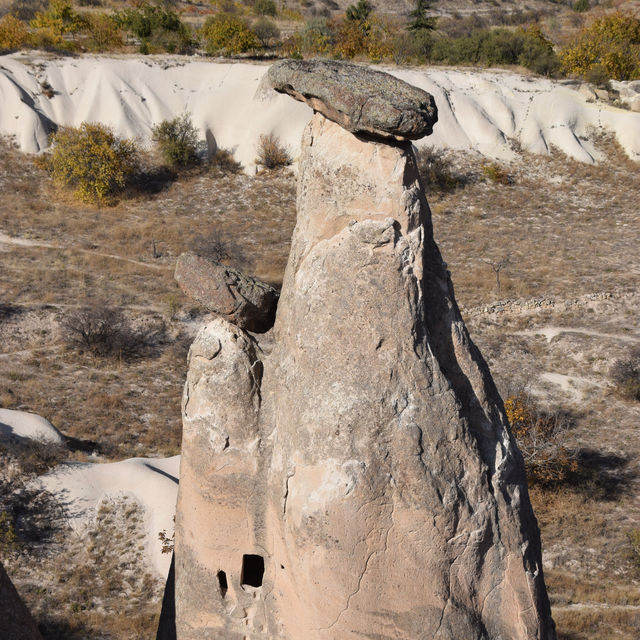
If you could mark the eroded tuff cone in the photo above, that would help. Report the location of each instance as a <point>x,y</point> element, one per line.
<point>15,619</point>
<point>247,302</point>
<point>368,485</point>
<point>358,98</point>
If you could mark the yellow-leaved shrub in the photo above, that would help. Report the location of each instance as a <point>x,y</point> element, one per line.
<point>92,161</point>
<point>13,32</point>
<point>611,42</point>
<point>539,436</point>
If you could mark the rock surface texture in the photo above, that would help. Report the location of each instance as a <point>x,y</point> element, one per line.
<point>360,480</point>
<point>357,98</point>
<point>15,620</point>
<point>247,302</point>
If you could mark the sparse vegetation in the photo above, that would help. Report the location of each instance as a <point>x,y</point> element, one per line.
<point>493,172</point>
<point>271,153</point>
<point>106,332</point>
<point>92,161</point>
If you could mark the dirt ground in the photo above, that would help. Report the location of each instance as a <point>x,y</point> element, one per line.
<point>566,308</point>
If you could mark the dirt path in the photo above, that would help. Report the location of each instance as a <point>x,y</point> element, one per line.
<point>24,242</point>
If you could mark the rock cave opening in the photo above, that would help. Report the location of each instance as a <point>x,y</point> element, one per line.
<point>252,570</point>
<point>222,582</point>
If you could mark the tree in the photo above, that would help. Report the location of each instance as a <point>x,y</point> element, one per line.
<point>359,12</point>
<point>421,27</point>
<point>419,20</point>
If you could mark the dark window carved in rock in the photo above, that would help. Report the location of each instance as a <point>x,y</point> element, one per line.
<point>222,581</point>
<point>252,570</point>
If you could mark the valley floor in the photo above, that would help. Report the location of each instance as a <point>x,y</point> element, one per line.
<point>567,308</point>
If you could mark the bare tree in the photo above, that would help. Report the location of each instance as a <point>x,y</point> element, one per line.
<point>497,267</point>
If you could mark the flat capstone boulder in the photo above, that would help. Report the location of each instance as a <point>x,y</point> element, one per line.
<point>359,99</point>
<point>243,300</point>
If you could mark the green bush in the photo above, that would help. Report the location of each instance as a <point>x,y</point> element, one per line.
<point>60,18</point>
<point>177,141</point>
<point>92,161</point>
<point>264,8</point>
<point>496,174</point>
<point>157,28</point>
<point>489,47</point>
<point>227,34</point>
<point>581,6</point>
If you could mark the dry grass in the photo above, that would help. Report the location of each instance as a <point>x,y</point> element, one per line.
<point>569,230</point>
<point>95,583</point>
<point>83,254</point>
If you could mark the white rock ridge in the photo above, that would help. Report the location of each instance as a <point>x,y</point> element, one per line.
<point>485,111</point>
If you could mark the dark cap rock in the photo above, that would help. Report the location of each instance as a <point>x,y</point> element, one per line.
<point>244,301</point>
<point>359,99</point>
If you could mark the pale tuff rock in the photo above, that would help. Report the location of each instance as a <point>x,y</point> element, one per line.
<point>367,484</point>
<point>359,99</point>
<point>243,300</point>
<point>15,619</point>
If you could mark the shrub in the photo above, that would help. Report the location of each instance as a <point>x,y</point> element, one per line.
<point>490,47</point>
<point>625,375</point>
<point>13,33</point>
<point>266,30</point>
<point>220,247</point>
<point>177,141</point>
<point>612,41</point>
<point>435,171</point>
<point>496,174</point>
<point>371,37</point>
<point>60,19</point>
<point>224,161</point>
<point>103,33</point>
<point>228,34</point>
<point>157,28</point>
<point>264,7</point>
<point>27,9</point>
<point>316,36</point>
<point>106,332</point>
<point>539,436</point>
<point>581,6</point>
<point>633,537</point>
<point>92,161</point>
<point>272,154</point>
